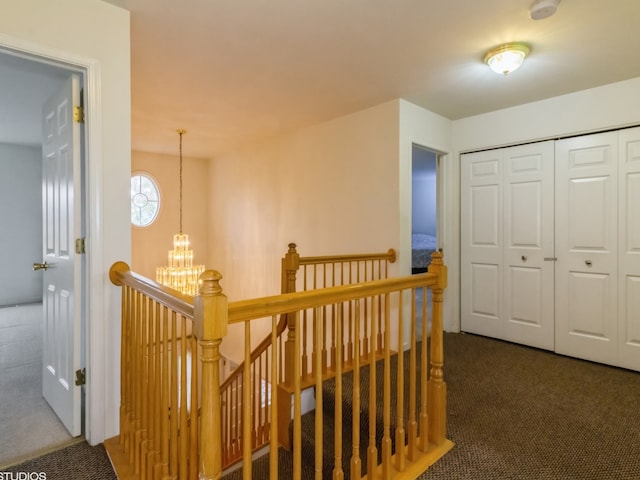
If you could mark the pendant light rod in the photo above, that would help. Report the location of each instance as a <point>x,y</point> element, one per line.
<point>181,132</point>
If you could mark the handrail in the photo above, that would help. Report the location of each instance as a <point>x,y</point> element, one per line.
<point>243,310</point>
<point>120,274</point>
<point>389,255</point>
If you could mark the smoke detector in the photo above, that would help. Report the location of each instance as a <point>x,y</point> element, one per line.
<point>542,9</point>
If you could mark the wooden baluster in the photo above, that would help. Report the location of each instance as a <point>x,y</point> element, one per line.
<point>235,415</point>
<point>424,414</point>
<point>137,379</point>
<point>125,336</point>
<point>380,344</point>
<point>193,414</point>
<point>173,406</point>
<point>264,397</point>
<point>372,450</point>
<point>318,408</point>
<point>166,378</point>
<point>247,406</point>
<point>184,378</point>
<point>211,318</point>
<point>386,409</point>
<point>255,374</point>
<point>151,362</point>
<point>333,356</point>
<point>366,338</point>
<point>412,426</point>
<point>437,386</point>
<point>400,431</point>
<point>356,461</point>
<point>273,439</point>
<point>144,440</point>
<point>158,412</point>
<point>338,473</point>
<point>297,407</point>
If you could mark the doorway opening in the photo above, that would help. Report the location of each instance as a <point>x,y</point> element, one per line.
<point>424,211</point>
<point>28,80</point>
<point>424,220</point>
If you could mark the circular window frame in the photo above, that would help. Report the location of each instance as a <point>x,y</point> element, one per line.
<point>154,183</point>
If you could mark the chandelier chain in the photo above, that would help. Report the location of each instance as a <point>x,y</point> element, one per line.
<point>181,132</point>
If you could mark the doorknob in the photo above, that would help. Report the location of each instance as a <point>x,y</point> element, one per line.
<point>41,266</point>
<point>588,263</point>
<point>524,258</point>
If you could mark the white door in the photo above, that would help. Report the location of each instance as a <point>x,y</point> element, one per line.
<point>507,249</point>
<point>482,243</point>
<point>586,247</point>
<point>62,296</point>
<point>529,244</point>
<point>629,249</point>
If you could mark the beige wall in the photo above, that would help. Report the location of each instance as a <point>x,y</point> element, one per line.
<point>151,244</point>
<point>331,188</point>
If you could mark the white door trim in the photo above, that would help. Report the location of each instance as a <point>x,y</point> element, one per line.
<point>95,270</point>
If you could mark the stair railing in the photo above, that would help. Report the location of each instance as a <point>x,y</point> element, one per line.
<point>413,411</point>
<point>163,386</point>
<point>297,274</point>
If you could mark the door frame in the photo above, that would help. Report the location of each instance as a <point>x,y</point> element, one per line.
<point>93,293</point>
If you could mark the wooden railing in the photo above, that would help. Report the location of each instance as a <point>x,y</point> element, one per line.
<point>159,333</point>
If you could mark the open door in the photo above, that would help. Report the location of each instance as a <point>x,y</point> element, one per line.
<point>62,269</point>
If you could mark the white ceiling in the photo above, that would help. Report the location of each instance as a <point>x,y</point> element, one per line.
<point>233,71</point>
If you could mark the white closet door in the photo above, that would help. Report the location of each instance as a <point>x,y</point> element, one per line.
<point>629,249</point>
<point>529,244</point>
<point>481,243</point>
<point>586,247</point>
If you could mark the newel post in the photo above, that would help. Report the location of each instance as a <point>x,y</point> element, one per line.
<point>290,265</point>
<point>211,318</point>
<point>437,406</point>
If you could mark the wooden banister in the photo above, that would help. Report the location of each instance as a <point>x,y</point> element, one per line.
<point>172,425</point>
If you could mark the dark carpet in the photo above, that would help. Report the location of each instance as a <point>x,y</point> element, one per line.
<point>515,413</point>
<point>77,462</point>
<point>521,413</point>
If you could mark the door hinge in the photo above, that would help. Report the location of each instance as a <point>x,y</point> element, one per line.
<point>78,114</point>
<point>81,377</point>
<point>80,246</point>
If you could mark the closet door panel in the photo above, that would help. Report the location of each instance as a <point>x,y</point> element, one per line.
<point>529,248</point>
<point>629,249</point>
<point>586,247</point>
<point>481,243</point>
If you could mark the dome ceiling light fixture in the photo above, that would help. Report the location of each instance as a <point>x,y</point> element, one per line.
<point>506,58</point>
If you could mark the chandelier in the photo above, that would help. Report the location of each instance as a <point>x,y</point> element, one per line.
<point>180,274</point>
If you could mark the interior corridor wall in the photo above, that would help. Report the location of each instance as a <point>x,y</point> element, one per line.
<point>331,188</point>
<point>21,220</point>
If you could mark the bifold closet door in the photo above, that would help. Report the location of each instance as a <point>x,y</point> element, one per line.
<point>629,249</point>
<point>507,244</point>
<point>529,245</point>
<point>481,253</point>
<point>587,247</point>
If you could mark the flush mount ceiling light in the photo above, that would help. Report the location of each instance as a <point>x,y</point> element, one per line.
<point>506,58</point>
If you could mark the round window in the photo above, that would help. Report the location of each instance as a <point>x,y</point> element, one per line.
<point>145,200</point>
